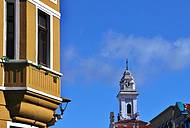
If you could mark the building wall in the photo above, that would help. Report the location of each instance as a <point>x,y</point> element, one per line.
<point>1,38</point>
<point>31,34</point>
<point>3,124</point>
<point>22,30</point>
<point>52,5</point>
<point>28,26</point>
<point>1,25</point>
<point>56,46</point>
<point>46,83</point>
<point>28,15</point>
<point>4,113</point>
<point>28,33</point>
<point>31,31</point>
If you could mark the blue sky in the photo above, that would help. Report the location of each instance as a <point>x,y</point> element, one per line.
<point>96,38</point>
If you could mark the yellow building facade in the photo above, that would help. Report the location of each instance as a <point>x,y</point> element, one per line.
<point>29,63</point>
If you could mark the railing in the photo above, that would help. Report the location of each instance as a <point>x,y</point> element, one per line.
<point>29,75</point>
<point>43,80</point>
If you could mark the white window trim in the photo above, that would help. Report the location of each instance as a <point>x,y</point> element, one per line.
<point>51,41</point>
<point>17,28</point>
<point>54,1</point>
<point>31,90</point>
<point>51,34</point>
<point>36,35</point>
<point>46,7</point>
<point>9,124</point>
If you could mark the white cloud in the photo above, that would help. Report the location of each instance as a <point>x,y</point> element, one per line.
<point>146,51</point>
<point>149,55</point>
<point>69,53</point>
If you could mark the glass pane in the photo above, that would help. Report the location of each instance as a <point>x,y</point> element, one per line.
<point>42,22</point>
<point>10,27</point>
<point>10,31</point>
<point>10,7</point>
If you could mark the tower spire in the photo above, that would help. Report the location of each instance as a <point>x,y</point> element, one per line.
<point>127,64</point>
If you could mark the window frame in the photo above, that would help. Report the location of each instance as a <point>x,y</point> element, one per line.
<point>45,45</point>
<point>10,19</point>
<point>16,27</point>
<point>44,10</point>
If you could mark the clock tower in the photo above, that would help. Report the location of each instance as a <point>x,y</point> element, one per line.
<point>127,96</point>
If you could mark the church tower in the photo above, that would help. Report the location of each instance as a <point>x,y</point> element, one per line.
<point>128,116</point>
<point>127,96</point>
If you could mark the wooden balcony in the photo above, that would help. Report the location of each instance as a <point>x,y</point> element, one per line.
<point>27,74</point>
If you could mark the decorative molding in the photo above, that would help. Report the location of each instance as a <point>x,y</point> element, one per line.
<point>45,68</point>
<point>34,64</point>
<point>54,1</point>
<point>44,94</point>
<point>31,90</point>
<point>46,8</point>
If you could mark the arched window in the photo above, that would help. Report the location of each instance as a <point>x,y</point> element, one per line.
<point>129,109</point>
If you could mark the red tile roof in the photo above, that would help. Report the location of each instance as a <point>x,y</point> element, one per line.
<point>122,126</point>
<point>131,123</point>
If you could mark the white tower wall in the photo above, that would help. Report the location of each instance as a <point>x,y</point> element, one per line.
<point>127,97</point>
